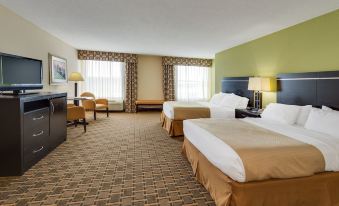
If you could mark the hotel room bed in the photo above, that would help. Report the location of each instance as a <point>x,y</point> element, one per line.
<point>264,170</point>
<point>174,112</point>
<point>264,162</point>
<point>207,134</point>
<point>320,189</point>
<point>207,110</point>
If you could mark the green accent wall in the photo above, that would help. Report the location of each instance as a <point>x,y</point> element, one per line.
<point>309,46</point>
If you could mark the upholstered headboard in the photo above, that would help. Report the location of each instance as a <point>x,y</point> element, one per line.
<point>238,86</point>
<point>313,88</point>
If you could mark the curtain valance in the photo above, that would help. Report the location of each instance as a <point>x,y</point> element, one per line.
<point>107,56</point>
<point>186,61</point>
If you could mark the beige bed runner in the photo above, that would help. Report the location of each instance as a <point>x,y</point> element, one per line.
<point>192,110</point>
<point>266,154</point>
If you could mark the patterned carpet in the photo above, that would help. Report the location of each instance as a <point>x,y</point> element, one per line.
<point>126,159</point>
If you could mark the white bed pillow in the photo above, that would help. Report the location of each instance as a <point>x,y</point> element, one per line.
<point>283,113</point>
<point>242,102</point>
<point>303,114</point>
<point>326,108</point>
<point>217,98</point>
<point>323,121</point>
<point>231,101</point>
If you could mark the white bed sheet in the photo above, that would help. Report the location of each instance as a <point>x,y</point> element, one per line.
<point>228,161</point>
<point>216,111</point>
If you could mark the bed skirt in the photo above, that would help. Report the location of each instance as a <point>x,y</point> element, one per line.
<point>318,190</point>
<point>173,127</point>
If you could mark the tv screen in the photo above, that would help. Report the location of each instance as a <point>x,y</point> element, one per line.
<point>20,73</point>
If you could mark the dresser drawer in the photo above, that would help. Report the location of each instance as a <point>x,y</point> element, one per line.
<point>35,118</point>
<point>33,155</point>
<point>36,135</point>
<point>35,144</point>
<point>36,128</point>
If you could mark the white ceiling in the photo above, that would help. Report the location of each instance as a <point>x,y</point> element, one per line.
<point>189,28</point>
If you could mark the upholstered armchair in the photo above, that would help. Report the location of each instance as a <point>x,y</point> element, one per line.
<point>93,104</point>
<point>76,113</point>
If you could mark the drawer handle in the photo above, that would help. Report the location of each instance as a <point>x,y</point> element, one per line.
<point>52,107</point>
<point>38,134</point>
<point>38,150</point>
<point>38,118</point>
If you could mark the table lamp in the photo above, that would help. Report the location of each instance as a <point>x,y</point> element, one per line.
<point>76,77</point>
<point>259,85</point>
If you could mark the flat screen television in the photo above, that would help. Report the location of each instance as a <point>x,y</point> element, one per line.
<point>19,73</point>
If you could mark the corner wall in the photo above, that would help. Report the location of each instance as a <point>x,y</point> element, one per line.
<point>150,77</point>
<point>20,37</point>
<point>306,47</point>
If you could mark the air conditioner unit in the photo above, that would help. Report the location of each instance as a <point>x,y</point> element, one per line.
<point>115,105</point>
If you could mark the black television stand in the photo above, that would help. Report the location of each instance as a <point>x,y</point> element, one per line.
<point>31,126</point>
<point>19,92</point>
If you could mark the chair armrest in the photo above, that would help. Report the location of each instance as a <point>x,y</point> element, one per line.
<point>101,101</point>
<point>88,104</point>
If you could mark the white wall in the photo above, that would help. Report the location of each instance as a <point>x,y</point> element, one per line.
<point>150,77</point>
<point>20,37</point>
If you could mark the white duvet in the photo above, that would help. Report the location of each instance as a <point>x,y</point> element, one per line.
<point>215,110</point>
<point>228,161</point>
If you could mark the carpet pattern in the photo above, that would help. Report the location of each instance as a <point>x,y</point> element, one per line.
<point>126,159</point>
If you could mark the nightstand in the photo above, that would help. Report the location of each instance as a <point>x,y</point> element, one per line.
<point>242,113</point>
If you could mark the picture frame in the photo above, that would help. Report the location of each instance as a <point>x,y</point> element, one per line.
<point>57,70</point>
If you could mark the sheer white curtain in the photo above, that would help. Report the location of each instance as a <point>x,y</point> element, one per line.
<point>192,83</point>
<point>105,79</point>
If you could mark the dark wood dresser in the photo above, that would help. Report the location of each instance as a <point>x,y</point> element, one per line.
<point>31,126</point>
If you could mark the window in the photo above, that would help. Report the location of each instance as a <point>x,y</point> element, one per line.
<point>105,79</point>
<point>192,83</point>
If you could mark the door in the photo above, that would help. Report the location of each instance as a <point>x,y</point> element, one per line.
<point>58,115</point>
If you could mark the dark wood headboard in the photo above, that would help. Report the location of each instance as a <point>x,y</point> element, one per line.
<point>313,88</point>
<point>238,86</point>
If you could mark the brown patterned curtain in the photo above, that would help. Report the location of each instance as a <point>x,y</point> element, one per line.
<point>187,61</point>
<point>131,60</point>
<point>168,72</point>
<point>131,87</point>
<point>107,56</point>
<point>168,82</point>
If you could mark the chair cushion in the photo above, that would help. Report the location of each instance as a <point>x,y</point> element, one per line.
<point>149,102</point>
<point>99,106</point>
<point>75,113</point>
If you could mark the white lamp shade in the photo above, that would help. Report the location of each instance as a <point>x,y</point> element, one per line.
<point>263,84</point>
<point>254,83</point>
<point>75,76</point>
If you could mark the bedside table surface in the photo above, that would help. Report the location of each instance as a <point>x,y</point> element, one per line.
<point>242,113</point>
<point>250,111</point>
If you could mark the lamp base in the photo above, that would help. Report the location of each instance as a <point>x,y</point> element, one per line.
<point>257,100</point>
<point>76,102</point>
<point>255,109</point>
